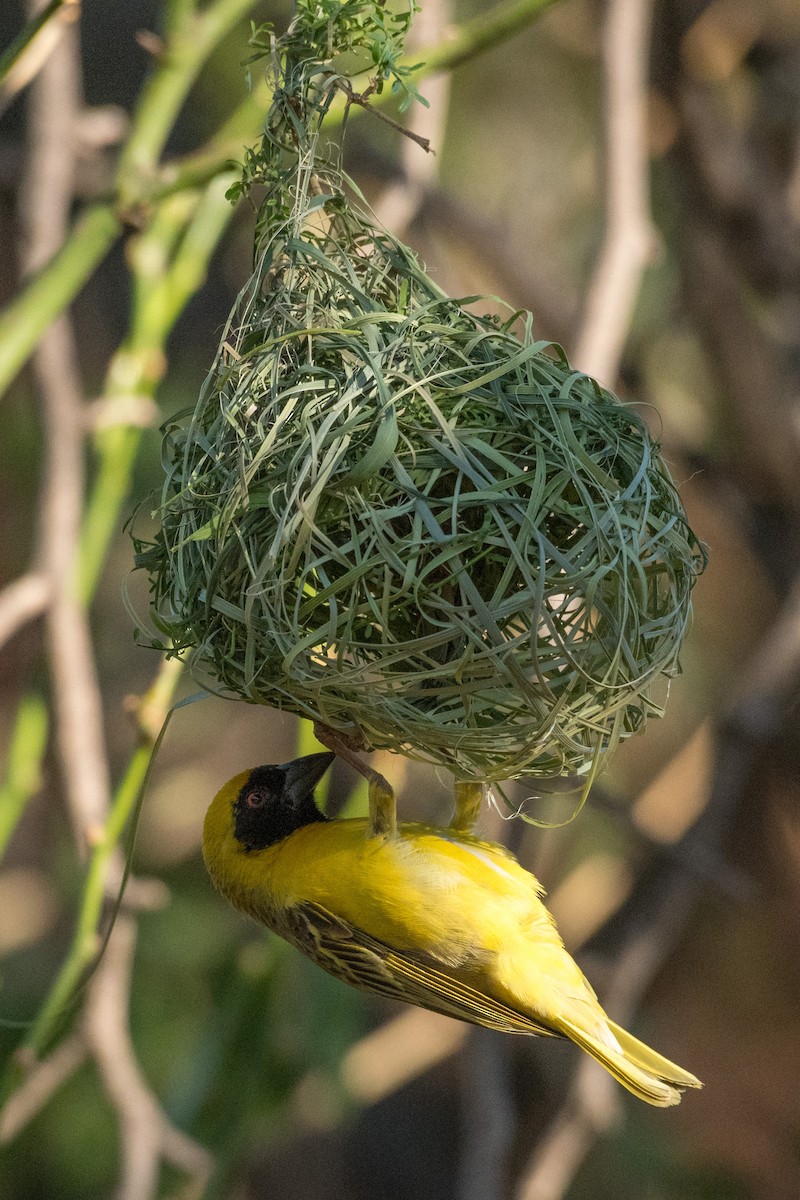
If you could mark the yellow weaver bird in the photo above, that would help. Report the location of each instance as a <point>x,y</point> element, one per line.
<point>431,916</point>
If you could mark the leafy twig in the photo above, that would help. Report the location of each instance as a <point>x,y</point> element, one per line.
<point>362,99</point>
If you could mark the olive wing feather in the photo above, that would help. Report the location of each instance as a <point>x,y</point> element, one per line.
<point>365,962</point>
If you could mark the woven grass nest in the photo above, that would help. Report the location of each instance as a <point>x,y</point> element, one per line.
<point>416,524</point>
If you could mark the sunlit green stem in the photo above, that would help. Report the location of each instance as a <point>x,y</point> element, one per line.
<point>23,774</point>
<point>489,29</point>
<point>152,711</point>
<point>191,36</point>
<point>169,262</point>
<point>25,319</point>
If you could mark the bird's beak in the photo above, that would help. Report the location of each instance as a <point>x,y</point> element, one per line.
<point>303,775</point>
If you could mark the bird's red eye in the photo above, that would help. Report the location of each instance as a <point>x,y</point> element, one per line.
<point>255,799</point>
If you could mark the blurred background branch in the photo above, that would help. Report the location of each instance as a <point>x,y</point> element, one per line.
<point>629,237</point>
<point>45,202</point>
<point>27,54</point>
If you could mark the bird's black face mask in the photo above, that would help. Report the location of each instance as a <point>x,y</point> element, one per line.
<point>277,800</point>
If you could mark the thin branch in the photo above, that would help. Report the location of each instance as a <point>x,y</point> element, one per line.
<point>593,1107</point>
<point>52,288</point>
<point>758,710</point>
<point>153,708</point>
<point>28,53</point>
<point>191,37</point>
<point>398,1051</point>
<point>147,1135</point>
<point>558,1158</point>
<point>363,100</point>
<point>45,202</point>
<point>22,601</point>
<point>42,1083</point>
<point>482,33</point>
<point>194,225</point>
<point>488,1116</point>
<point>629,238</point>
<point>793,185</point>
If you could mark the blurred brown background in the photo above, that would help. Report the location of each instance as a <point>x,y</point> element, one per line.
<point>678,886</point>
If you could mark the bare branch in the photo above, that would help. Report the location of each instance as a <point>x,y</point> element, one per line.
<point>45,202</point>
<point>31,50</point>
<point>23,600</point>
<point>568,1140</point>
<point>773,677</point>
<point>147,1136</point>
<point>629,237</point>
<point>488,1122</point>
<point>397,1052</point>
<point>42,1083</point>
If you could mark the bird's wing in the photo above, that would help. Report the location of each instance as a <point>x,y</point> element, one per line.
<point>356,958</point>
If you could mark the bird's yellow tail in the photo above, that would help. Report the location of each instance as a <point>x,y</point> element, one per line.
<point>641,1070</point>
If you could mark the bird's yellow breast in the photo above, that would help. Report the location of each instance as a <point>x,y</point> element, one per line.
<point>418,890</point>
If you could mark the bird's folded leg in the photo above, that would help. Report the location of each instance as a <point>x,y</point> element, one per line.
<point>468,795</point>
<point>382,803</point>
<point>382,808</point>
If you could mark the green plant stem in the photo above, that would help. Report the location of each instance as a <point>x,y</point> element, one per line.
<point>173,253</point>
<point>480,34</point>
<point>153,709</point>
<point>24,42</point>
<point>476,36</point>
<point>25,319</point>
<point>191,38</point>
<point>23,775</point>
<point>54,287</point>
<point>161,291</point>
<point>169,263</point>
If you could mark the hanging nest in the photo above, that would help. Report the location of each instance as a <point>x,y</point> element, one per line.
<point>413,523</point>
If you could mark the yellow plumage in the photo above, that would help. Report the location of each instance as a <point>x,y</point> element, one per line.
<point>435,917</point>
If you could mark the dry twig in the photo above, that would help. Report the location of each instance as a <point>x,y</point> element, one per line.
<point>147,1135</point>
<point>629,238</point>
<point>22,601</point>
<point>45,203</point>
<point>43,1082</point>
